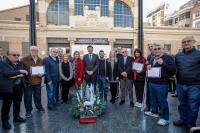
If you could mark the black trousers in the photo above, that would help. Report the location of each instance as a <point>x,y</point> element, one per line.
<point>8,99</point>
<point>139,90</point>
<point>113,89</point>
<point>35,92</point>
<point>91,80</point>
<point>58,91</point>
<point>172,85</point>
<point>65,89</point>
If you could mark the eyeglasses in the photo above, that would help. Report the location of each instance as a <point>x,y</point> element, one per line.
<point>157,48</point>
<point>15,55</point>
<point>187,41</point>
<point>55,52</point>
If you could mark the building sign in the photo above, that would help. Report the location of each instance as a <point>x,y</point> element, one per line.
<point>124,41</point>
<point>97,41</point>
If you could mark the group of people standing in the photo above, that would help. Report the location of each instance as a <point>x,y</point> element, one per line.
<point>61,71</point>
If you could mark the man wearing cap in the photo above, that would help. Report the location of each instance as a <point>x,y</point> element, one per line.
<point>188,83</point>
<point>33,81</point>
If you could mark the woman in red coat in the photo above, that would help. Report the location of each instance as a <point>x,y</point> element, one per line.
<point>78,69</point>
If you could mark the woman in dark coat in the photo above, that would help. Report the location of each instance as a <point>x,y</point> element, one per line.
<point>112,74</point>
<point>139,76</point>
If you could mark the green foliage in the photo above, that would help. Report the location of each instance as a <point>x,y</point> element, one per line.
<point>78,109</point>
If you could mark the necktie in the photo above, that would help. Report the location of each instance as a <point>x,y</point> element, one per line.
<point>90,57</point>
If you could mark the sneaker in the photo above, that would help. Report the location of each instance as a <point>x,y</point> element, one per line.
<point>137,104</point>
<point>28,115</point>
<point>163,122</point>
<point>151,114</point>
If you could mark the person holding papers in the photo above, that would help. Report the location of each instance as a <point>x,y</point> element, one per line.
<point>35,65</point>
<point>160,68</point>
<point>139,72</point>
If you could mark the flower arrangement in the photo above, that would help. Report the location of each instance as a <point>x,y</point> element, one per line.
<point>87,103</point>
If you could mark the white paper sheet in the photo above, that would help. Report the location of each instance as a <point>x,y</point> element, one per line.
<point>154,72</point>
<point>138,66</point>
<point>37,70</point>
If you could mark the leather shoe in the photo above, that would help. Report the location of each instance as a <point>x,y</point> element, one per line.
<point>6,125</point>
<point>121,102</point>
<point>132,104</point>
<point>19,119</point>
<point>179,123</point>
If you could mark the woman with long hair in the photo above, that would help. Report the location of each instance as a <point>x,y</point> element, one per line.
<point>78,69</point>
<point>139,76</point>
<point>66,74</point>
<point>112,74</point>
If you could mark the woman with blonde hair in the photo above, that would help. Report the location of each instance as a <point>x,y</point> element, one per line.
<point>112,74</point>
<point>66,74</point>
<point>78,69</point>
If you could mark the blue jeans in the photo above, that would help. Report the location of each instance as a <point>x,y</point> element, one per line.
<point>189,98</point>
<point>158,96</point>
<point>102,82</point>
<point>51,94</point>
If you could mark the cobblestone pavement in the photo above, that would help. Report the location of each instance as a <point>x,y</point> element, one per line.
<point>117,119</point>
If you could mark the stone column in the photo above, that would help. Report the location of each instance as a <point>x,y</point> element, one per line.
<point>72,42</point>
<point>111,42</point>
<point>111,8</point>
<point>42,9</point>
<point>71,8</point>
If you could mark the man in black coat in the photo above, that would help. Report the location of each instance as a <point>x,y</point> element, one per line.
<point>125,72</point>
<point>10,78</point>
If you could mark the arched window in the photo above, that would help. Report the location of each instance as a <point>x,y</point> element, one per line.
<point>58,12</point>
<point>92,4</point>
<point>122,15</point>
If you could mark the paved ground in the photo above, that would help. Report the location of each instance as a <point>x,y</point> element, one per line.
<point>117,119</point>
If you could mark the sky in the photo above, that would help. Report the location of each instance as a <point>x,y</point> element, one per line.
<point>148,4</point>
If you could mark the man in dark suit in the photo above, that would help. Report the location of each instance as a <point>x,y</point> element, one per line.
<point>2,57</point>
<point>125,72</point>
<point>91,63</point>
<point>11,74</point>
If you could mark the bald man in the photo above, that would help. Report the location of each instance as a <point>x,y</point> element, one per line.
<point>188,79</point>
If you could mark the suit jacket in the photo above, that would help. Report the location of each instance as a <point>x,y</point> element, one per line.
<point>91,65</point>
<point>6,72</point>
<point>51,69</point>
<point>29,62</point>
<point>2,59</point>
<point>127,67</point>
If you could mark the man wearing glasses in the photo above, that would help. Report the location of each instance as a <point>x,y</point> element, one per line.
<point>51,77</point>
<point>125,72</point>
<point>159,83</point>
<point>11,77</point>
<point>188,79</point>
